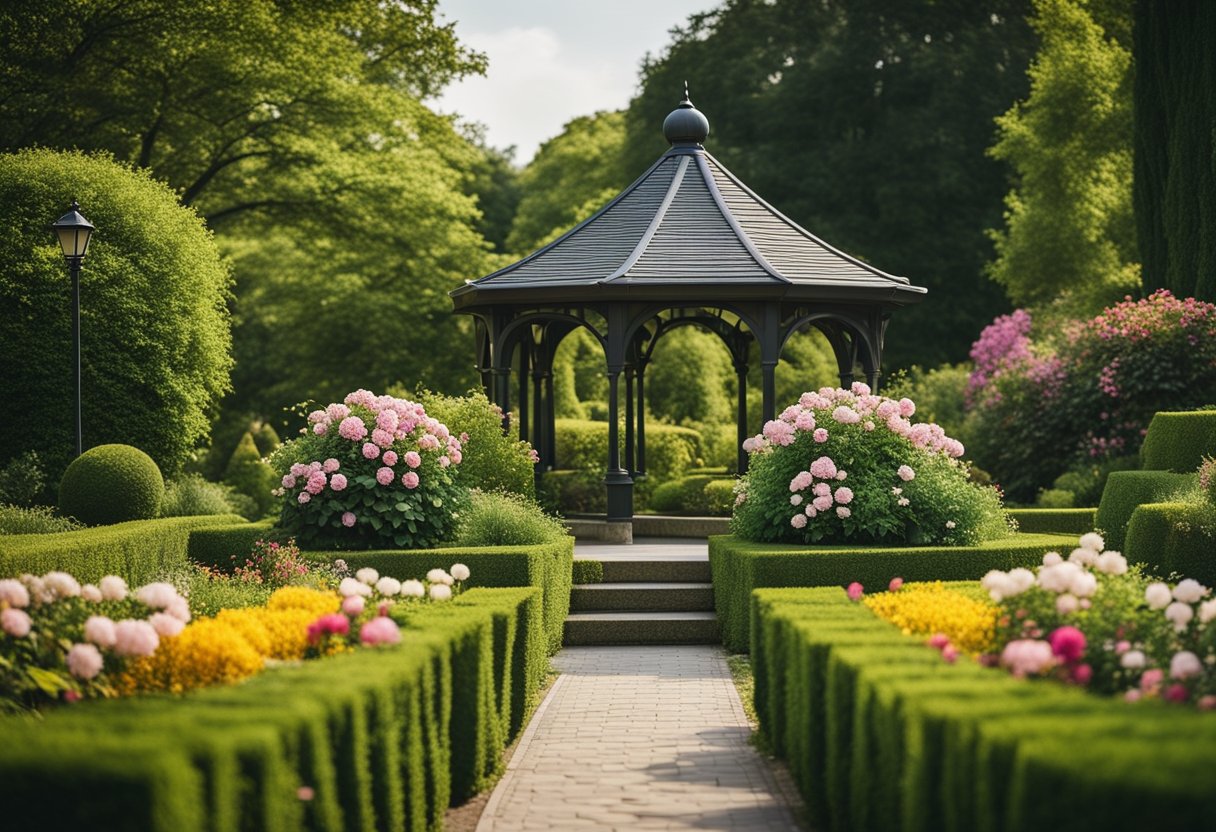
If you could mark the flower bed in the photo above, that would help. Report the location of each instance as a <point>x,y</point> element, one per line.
<point>293,748</point>
<point>740,566</point>
<point>882,734</point>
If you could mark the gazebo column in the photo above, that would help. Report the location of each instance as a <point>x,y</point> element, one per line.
<point>525,350</point>
<point>770,355</point>
<point>484,352</point>
<point>641,404</point>
<point>617,481</point>
<point>741,432</point>
<point>630,437</point>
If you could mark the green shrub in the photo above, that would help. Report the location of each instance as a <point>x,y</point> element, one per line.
<point>1055,498</point>
<point>697,495</point>
<point>719,496</point>
<point>588,571</point>
<point>111,484</point>
<point>154,316</point>
<point>1173,538</point>
<point>670,450</point>
<point>493,461</point>
<point>506,520</point>
<point>1074,521</point>
<point>1086,482</point>
<point>215,545</point>
<point>210,593</point>
<point>190,495</point>
<point>22,480</point>
<point>247,474</point>
<point>267,439</point>
<point>1179,441</point>
<point>138,551</point>
<point>573,492</point>
<point>740,566</point>
<point>33,520</point>
<point>1125,490</point>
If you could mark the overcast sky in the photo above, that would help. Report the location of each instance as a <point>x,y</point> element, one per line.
<point>552,60</point>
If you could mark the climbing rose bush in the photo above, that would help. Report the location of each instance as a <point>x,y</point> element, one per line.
<point>371,471</point>
<point>849,465</point>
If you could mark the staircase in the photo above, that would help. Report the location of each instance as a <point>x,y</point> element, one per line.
<point>645,601</point>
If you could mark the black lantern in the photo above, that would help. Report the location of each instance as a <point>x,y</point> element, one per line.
<point>74,233</point>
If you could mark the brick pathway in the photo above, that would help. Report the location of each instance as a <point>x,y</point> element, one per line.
<point>637,738</point>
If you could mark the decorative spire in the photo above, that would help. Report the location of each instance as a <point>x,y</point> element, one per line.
<point>685,125</point>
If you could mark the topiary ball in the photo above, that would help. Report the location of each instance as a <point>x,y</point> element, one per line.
<point>111,484</point>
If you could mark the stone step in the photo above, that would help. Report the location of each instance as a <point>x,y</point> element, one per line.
<point>656,597</point>
<point>603,628</point>
<point>654,570</point>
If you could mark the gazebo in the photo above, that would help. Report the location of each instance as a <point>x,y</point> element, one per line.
<point>687,244</point>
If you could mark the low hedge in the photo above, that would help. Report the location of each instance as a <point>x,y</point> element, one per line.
<point>583,445</point>
<point>1173,538</point>
<point>881,734</point>
<point>588,571</point>
<point>384,738</point>
<point>699,495</point>
<point>216,546</point>
<point>548,566</point>
<point>1179,441</point>
<point>138,551</point>
<point>1074,521</point>
<point>1125,490</point>
<point>740,566</point>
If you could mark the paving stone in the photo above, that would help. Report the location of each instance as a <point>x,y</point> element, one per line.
<point>638,738</point>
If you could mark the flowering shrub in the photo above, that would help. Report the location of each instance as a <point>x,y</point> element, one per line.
<point>372,471</point>
<point>1087,393</point>
<point>1207,479</point>
<point>966,622</point>
<point>272,563</point>
<point>849,465</point>
<point>65,641</point>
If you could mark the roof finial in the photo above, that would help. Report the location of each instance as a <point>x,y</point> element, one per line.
<point>685,124</point>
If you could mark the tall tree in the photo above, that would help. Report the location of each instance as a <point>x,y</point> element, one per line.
<point>1069,234</point>
<point>866,121</point>
<point>1175,165</point>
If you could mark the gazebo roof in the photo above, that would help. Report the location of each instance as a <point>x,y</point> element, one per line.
<point>688,224</point>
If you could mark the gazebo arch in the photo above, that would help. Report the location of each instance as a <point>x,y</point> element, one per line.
<point>687,244</point>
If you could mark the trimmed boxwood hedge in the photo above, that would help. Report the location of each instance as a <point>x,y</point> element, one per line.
<point>881,734</point>
<point>1125,490</point>
<point>1173,538</point>
<point>739,566</point>
<point>138,551</point>
<point>1074,521</point>
<point>385,738</point>
<point>216,546</point>
<point>1179,441</point>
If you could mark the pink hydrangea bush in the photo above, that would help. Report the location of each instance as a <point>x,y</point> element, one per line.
<point>850,465</point>
<point>371,471</point>
<point>64,641</point>
<point>1088,618</point>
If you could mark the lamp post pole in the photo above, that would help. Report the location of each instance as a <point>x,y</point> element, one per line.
<point>74,232</point>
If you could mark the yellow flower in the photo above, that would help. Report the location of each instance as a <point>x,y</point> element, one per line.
<point>206,652</point>
<point>301,598</point>
<point>924,609</point>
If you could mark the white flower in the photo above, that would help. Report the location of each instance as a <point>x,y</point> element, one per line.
<point>1207,611</point>
<point>90,593</point>
<point>1179,614</point>
<point>1157,595</point>
<point>795,499</point>
<point>998,584</point>
<point>179,609</point>
<point>1189,591</point>
<point>460,572</point>
<point>1022,579</point>
<point>1093,541</point>
<point>903,501</point>
<point>367,575</point>
<point>1052,558</point>
<point>388,586</point>
<point>1112,563</point>
<point>897,491</point>
<point>1060,577</point>
<point>440,592</point>
<point>157,596</point>
<point>1184,665</point>
<point>950,524</point>
<point>413,589</point>
<point>62,584</point>
<point>1084,557</point>
<point>166,625</point>
<point>1084,585</point>
<point>1066,604</point>
<point>113,588</point>
<point>436,576</point>
<point>1132,660</point>
<point>351,586</point>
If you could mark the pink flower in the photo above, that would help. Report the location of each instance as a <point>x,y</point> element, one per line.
<point>331,465</point>
<point>352,428</point>
<point>1068,643</point>
<point>950,654</point>
<point>906,473</point>
<point>1027,657</point>
<point>353,605</point>
<point>844,495</point>
<point>99,630</point>
<point>156,595</point>
<point>320,428</point>
<point>316,483</point>
<point>822,489</point>
<point>337,482</point>
<point>412,459</point>
<point>1151,679</point>
<point>1082,673</point>
<point>84,661</point>
<point>846,415</point>
<point>179,609</point>
<point>370,451</point>
<point>843,512</point>
<point>389,458</point>
<point>1185,665</point>
<point>800,481</point>
<point>15,622</point>
<point>385,475</point>
<point>428,442</point>
<point>906,408</point>
<point>382,437</point>
<point>331,624</point>
<point>805,420</point>
<point>348,518</point>
<point>795,499</point>
<point>289,481</point>
<point>938,640</point>
<point>822,503</point>
<point>166,625</point>
<point>306,793</point>
<point>779,432</point>
<point>14,593</point>
<point>895,585</point>
<point>409,479</point>
<point>444,461</point>
<point>135,638</point>
<point>337,412</point>
<point>386,420</point>
<point>823,468</point>
<point>304,497</point>
<point>798,521</point>
<point>820,435</point>
<point>855,590</point>
<point>1176,692</point>
<point>380,630</point>
<point>458,457</point>
<point>1206,703</point>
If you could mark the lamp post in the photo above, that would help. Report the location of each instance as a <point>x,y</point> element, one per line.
<point>74,232</point>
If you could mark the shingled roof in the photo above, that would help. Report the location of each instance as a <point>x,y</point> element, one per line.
<point>689,223</point>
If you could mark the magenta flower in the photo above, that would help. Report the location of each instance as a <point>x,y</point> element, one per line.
<point>1068,643</point>
<point>331,624</point>
<point>855,590</point>
<point>895,585</point>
